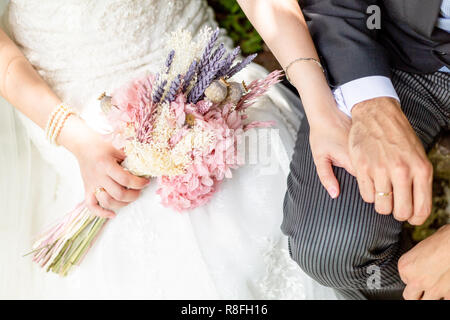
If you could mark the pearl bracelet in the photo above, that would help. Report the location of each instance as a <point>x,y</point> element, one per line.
<point>56,122</point>
<point>51,122</point>
<point>286,69</point>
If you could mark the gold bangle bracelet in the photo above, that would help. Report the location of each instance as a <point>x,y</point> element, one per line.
<point>286,69</point>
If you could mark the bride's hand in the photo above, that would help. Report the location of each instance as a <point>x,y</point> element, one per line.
<point>99,161</point>
<point>101,170</point>
<point>329,146</point>
<point>108,186</point>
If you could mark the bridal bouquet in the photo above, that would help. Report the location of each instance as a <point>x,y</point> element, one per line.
<point>181,125</point>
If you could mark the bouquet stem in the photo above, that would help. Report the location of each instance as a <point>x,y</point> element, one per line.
<point>65,244</point>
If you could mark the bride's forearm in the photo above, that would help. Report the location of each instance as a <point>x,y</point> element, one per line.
<point>21,85</point>
<point>282,26</point>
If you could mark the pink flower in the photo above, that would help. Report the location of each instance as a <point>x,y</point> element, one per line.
<point>259,124</point>
<point>119,117</point>
<point>178,108</point>
<point>186,192</point>
<point>211,165</point>
<point>128,97</point>
<point>203,106</point>
<point>258,88</point>
<point>178,136</point>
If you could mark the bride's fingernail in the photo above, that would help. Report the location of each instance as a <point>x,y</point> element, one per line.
<point>333,193</point>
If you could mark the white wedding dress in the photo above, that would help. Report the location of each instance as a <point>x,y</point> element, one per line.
<point>231,248</point>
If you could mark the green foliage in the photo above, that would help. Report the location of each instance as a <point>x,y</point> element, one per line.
<point>230,17</point>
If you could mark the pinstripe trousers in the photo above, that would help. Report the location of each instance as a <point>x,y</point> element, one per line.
<point>343,243</point>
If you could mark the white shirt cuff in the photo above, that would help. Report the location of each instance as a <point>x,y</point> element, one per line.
<point>359,90</point>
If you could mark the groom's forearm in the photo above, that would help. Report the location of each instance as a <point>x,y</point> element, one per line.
<point>349,49</point>
<point>354,92</point>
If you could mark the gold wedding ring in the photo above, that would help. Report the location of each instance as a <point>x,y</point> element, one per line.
<point>384,194</point>
<point>99,190</point>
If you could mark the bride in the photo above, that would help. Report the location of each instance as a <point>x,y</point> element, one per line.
<point>231,248</point>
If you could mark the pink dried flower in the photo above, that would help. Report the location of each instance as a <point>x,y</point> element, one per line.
<point>133,102</point>
<point>203,106</point>
<point>259,87</point>
<point>178,107</point>
<point>259,124</point>
<point>129,96</point>
<point>189,173</point>
<point>209,166</point>
<point>186,192</point>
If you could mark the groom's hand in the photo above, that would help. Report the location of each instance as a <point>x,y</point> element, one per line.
<point>426,268</point>
<point>390,163</point>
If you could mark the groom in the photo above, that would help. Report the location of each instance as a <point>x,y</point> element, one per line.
<point>394,81</point>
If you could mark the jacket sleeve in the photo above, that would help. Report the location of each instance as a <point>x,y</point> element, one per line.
<point>348,49</point>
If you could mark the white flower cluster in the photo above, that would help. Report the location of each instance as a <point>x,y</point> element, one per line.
<point>159,158</point>
<point>186,51</point>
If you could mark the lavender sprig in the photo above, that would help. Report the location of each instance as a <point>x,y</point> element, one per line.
<point>158,93</point>
<point>173,89</point>
<point>200,87</point>
<point>169,60</point>
<point>229,62</point>
<point>213,66</point>
<point>214,59</point>
<point>189,75</point>
<point>203,82</point>
<point>208,49</point>
<point>241,65</point>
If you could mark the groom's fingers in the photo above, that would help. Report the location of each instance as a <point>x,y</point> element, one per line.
<point>403,199</point>
<point>343,160</point>
<point>383,196</point>
<point>422,196</point>
<point>327,177</point>
<point>412,292</point>
<point>366,187</point>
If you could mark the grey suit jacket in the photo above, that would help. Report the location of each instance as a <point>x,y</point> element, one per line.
<point>408,39</point>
